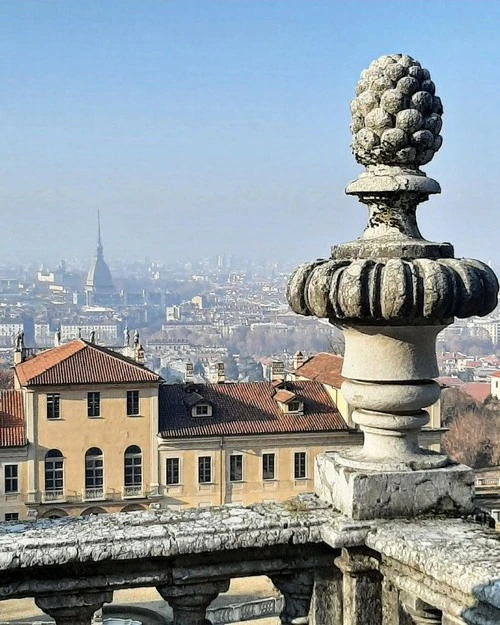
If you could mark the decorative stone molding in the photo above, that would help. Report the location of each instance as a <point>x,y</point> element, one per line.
<point>391,291</point>
<point>396,291</point>
<point>73,609</point>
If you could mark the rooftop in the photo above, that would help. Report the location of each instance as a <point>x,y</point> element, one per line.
<point>323,367</point>
<point>249,408</point>
<point>12,432</point>
<point>81,362</point>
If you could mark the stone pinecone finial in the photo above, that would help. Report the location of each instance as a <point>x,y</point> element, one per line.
<point>391,275</point>
<point>395,115</point>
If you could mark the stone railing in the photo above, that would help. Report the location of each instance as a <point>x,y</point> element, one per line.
<point>328,568</point>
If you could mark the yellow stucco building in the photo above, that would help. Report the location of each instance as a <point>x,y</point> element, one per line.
<point>91,420</point>
<point>88,430</point>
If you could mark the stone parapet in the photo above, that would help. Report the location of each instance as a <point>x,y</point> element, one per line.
<point>432,568</point>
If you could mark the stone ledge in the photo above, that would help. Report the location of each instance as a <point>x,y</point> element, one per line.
<point>161,533</point>
<point>455,557</point>
<point>384,495</point>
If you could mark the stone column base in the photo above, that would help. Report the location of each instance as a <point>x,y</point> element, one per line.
<point>386,495</point>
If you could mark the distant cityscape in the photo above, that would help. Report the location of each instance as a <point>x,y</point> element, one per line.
<point>190,315</point>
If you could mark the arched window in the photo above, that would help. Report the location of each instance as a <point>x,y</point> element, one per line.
<point>133,471</point>
<point>54,472</point>
<point>94,473</point>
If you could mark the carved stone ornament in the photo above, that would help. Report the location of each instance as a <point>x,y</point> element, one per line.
<point>391,291</point>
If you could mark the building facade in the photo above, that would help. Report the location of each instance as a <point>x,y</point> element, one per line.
<point>91,418</point>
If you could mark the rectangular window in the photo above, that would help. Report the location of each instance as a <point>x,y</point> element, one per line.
<point>132,403</point>
<point>94,404</point>
<point>173,473</point>
<point>133,470</point>
<point>299,465</point>
<point>268,466</point>
<point>11,516</point>
<point>204,469</point>
<point>53,405</point>
<point>293,406</point>
<point>236,468</point>
<point>201,410</point>
<point>11,478</point>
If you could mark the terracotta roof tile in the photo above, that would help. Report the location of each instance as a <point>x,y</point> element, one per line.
<point>283,396</point>
<point>12,431</point>
<point>323,367</point>
<point>80,362</point>
<point>247,408</point>
<point>479,391</point>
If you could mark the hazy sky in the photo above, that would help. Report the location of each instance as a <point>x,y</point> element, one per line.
<point>222,126</point>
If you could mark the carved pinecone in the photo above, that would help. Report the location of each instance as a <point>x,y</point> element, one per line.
<point>395,116</point>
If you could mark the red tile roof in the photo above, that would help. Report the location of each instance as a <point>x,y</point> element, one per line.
<point>12,432</point>
<point>494,375</point>
<point>247,408</point>
<point>479,391</point>
<point>323,367</point>
<point>445,381</point>
<point>80,362</point>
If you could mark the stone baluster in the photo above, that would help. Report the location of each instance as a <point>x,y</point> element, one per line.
<point>189,602</point>
<point>417,612</point>
<point>296,588</point>
<point>73,609</point>
<point>327,599</point>
<point>391,291</point>
<point>362,588</point>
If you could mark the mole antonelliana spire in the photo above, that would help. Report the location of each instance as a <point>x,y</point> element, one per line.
<point>99,284</point>
<point>391,292</point>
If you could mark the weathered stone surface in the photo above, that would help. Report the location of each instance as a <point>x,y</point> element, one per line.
<point>362,588</point>
<point>452,565</point>
<point>189,602</point>
<point>73,609</point>
<point>160,533</point>
<point>395,115</point>
<point>371,494</point>
<point>393,291</point>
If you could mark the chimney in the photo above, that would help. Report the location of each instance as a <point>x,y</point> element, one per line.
<point>216,373</point>
<point>189,373</point>
<point>298,360</point>
<point>277,371</point>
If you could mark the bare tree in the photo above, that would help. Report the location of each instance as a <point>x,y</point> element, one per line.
<point>470,439</point>
<point>6,379</point>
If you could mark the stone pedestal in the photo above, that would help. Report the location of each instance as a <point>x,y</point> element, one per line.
<point>378,494</point>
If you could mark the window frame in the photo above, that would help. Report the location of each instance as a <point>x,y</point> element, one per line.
<point>176,468</point>
<point>300,462</point>
<point>92,403</point>
<point>133,402</point>
<point>14,515</point>
<point>204,468</point>
<point>12,480</point>
<point>235,470</point>
<point>296,403</point>
<point>52,472</point>
<point>130,462</point>
<point>204,410</point>
<point>53,401</point>
<point>266,457</point>
<point>94,469</point>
